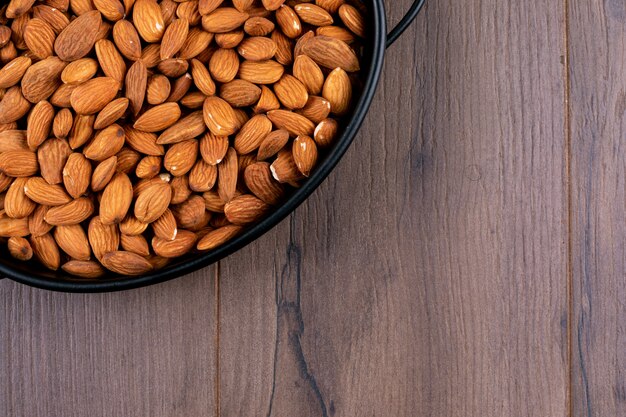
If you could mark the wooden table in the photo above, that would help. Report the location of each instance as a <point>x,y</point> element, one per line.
<point>466,258</point>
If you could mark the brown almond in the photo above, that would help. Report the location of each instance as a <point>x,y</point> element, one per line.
<point>123,262</point>
<point>197,42</point>
<point>46,251</point>
<point>284,48</point>
<point>179,246</point>
<point>62,123</point>
<point>336,32</point>
<point>288,21</point>
<point>229,40</point>
<point>83,269</point>
<point>76,174</point>
<point>180,157</point>
<point>105,144</point>
<point>19,163</point>
<point>39,37</point>
<point>261,72</point>
<point>180,87</point>
<point>144,142</point>
<point>331,53</point>
<point>77,39</point>
<point>131,226</point>
<point>309,73</point>
<point>103,173</point>
<point>81,131</point>
<point>291,92</point>
<point>112,10</point>
<point>272,143</point>
<point>180,189</point>
<point>228,172</point>
<point>148,167</point>
<point>338,91</point>
<point>257,48</point>
<point>14,227</point>
<point>207,6</point>
<point>158,118</point>
<point>174,38</point>
<point>13,105</point>
<point>116,199</point>
<point>12,140</point>
<point>102,238</point>
<point>267,101</point>
<point>213,201</point>
<point>218,237</point>
<point>20,248</point>
<point>284,168</point>
<point>189,10</point>
<point>136,82</point>
<point>313,14</point>
<point>72,239</point>
<point>17,8</point>
<point>258,26</point>
<point>12,73</point>
<point>173,67</point>
<point>135,244</point>
<point>148,20</point>
<point>202,176</point>
<point>93,95</point>
<point>353,19</point>
<point>73,212</point>
<point>37,226</point>
<point>213,148</point>
<point>17,205</point>
<point>158,89</point>
<point>39,191</point>
<point>316,109</point>
<point>165,226</point>
<point>259,181</point>
<point>330,6</point>
<point>111,61</point>
<point>127,160</point>
<point>202,78</point>
<point>245,209</point>
<point>223,19</point>
<point>292,122</point>
<point>127,39</point>
<point>193,100</point>
<point>186,128</point>
<point>240,93</point>
<point>304,153</point>
<point>191,213</point>
<point>39,123</point>
<point>111,113</point>
<point>62,96</point>
<point>224,65</point>
<point>252,134</point>
<point>53,16</point>
<point>150,55</point>
<point>42,79</point>
<point>168,10</point>
<point>152,202</point>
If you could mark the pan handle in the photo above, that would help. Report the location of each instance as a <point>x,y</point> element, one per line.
<point>408,18</point>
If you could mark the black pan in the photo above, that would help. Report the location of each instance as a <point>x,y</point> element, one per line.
<point>31,273</point>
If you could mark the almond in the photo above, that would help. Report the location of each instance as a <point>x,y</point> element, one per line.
<point>228,171</point>
<point>168,10</point>
<point>353,19</point>
<point>180,157</point>
<point>158,89</point>
<point>202,78</point>
<point>213,148</point>
<point>144,142</point>
<point>197,41</point>
<point>39,124</point>
<point>158,118</point>
<point>135,244</point>
<point>165,226</point>
<point>261,72</point>
<point>17,205</point>
<point>288,21</point>
<point>245,209</point>
<point>136,82</point>
<point>14,227</point>
<point>224,65</point>
<point>131,226</point>
<point>76,175</point>
<point>259,181</point>
<point>173,67</point>
<point>111,113</point>
<point>189,10</point>
<point>193,100</point>
<point>127,160</point>
<point>229,40</point>
<point>81,131</point>
<point>46,251</point>
<point>148,167</point>
<point>39,37</point>
<point>148,20</point>
<point>93,95</point>
<point>103,173</point>
<point>291,92</point>
<point>180,189</point>
<point>223,19</point>
<point>77,39</point>
<point>336,32</point>
<point>267,101</point>
<point>152,202</point>
<point>258,26</point>
<point>13,105</point>
<point>284,48</point>
<point>62,97</point>
<point>179,246</point>
<point>62,123</point>
<point>102,238</point>
<point>309,73</point>
<point>42,79</point>
<point>240,93</point>
<point>83,269</point>
<point>19,163</point>
<point>207,6</point>
<point>292,122</point>
<point>330,5</point>
<point>316,109</point>
<point>54,16</point>
<point>304,154</point>
<point>219,117</point>
<point>313,14</point>
<point>123,262</point>
<point>12,140</point>
<point>257,48</point>
<point>272,143</point>
<point>338,91</point>
<point>112,10</point>
<point>105,144</point>
<point>179,88</point>
<point>12,73</point>
<point>150,55</point>
<point>39,191</point>
<point>252,134</point>
<point>202,176</point>
<point>20,248</point>
<point>218,237</point>
<point>116,199</point>
<point>174,38</point>
<point>284,168</point>
<point>72,240</point>
<point>127,39</point>
<point>17,8</point>
<point>331,53</point>
<point>37,226</point>
<point>213,201</point>
<point>111,60</point>
<point>191,214</point>
<point>73,212</point>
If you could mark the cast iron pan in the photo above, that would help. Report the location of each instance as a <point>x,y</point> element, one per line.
<point>31,273</point>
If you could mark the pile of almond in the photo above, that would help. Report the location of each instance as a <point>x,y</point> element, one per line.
<point>137,131</point>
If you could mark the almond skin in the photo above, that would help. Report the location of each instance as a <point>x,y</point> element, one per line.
<point>103,173</point>
<point>304,154</point>
<point>219,117</point>
<point>152,202</point>
<point>116,199</point>
<point>76,175</point>
<point>174,38</point>
<point>93,95</point>
<point>165,226</point>
<point>188,127</point>
<point>102,238</point>
<point>143,142</point>
<point>39,37</point>
<point>272,143</point>
<point>259,181</point>
<point>240,93</point>
<point>202,176</point>
<point>261,72</point>
<point>292,122</point>
<point>213,148</point>
<point>228,171</point>
<point>224,65</point>
<point>73,241</point>
<point>223,19</point>
<point>180,157</point>
<point>218,237</point>
<point>46,251</point>
<point>81,131</point>
<point>135,244</point>
<point>17,205</point>
<point>158,89</point>
<point>126,263</point>
<point>131,226</point>
<point>13,105</point>
<point>338,91</point>
<point>179,246</point>
<point>251,135</point>
<point>19,163</point>
<point>12,73</point>
<point>110,60</point>
<point>39,191</point>
<point>158,118</point>
<point>291,92</point>
<point>14,227</point>
<point>313,14</point>
<point>83,269</point>
<point>37,226</point>
<point>111,113</point>
<point>20,248</point>
<point>105,144</point>
<point>73,212</point>
<point>331,53</point>
<point>148,20</point>
<point>136,82</point>
<point>316,109</point>
<point>257,48</point>
<point>245,209</point>
<point>39,124</point>
<point>52,155</point>
<point>77,39</point>
<point>309,73</point>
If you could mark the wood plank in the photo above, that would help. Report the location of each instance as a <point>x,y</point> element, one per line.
<point>597,38</point>
<point>147,352</point>
<point>427,276</point>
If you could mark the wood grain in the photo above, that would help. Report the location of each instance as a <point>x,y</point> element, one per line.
<point>427,276</point>
<point>147,352</point>
<point>597,36</point>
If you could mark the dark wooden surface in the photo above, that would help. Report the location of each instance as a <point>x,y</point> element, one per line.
<point>466,258</point>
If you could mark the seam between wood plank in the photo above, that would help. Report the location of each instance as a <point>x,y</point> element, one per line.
<point>569,188</point>
<point>217,339</point>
